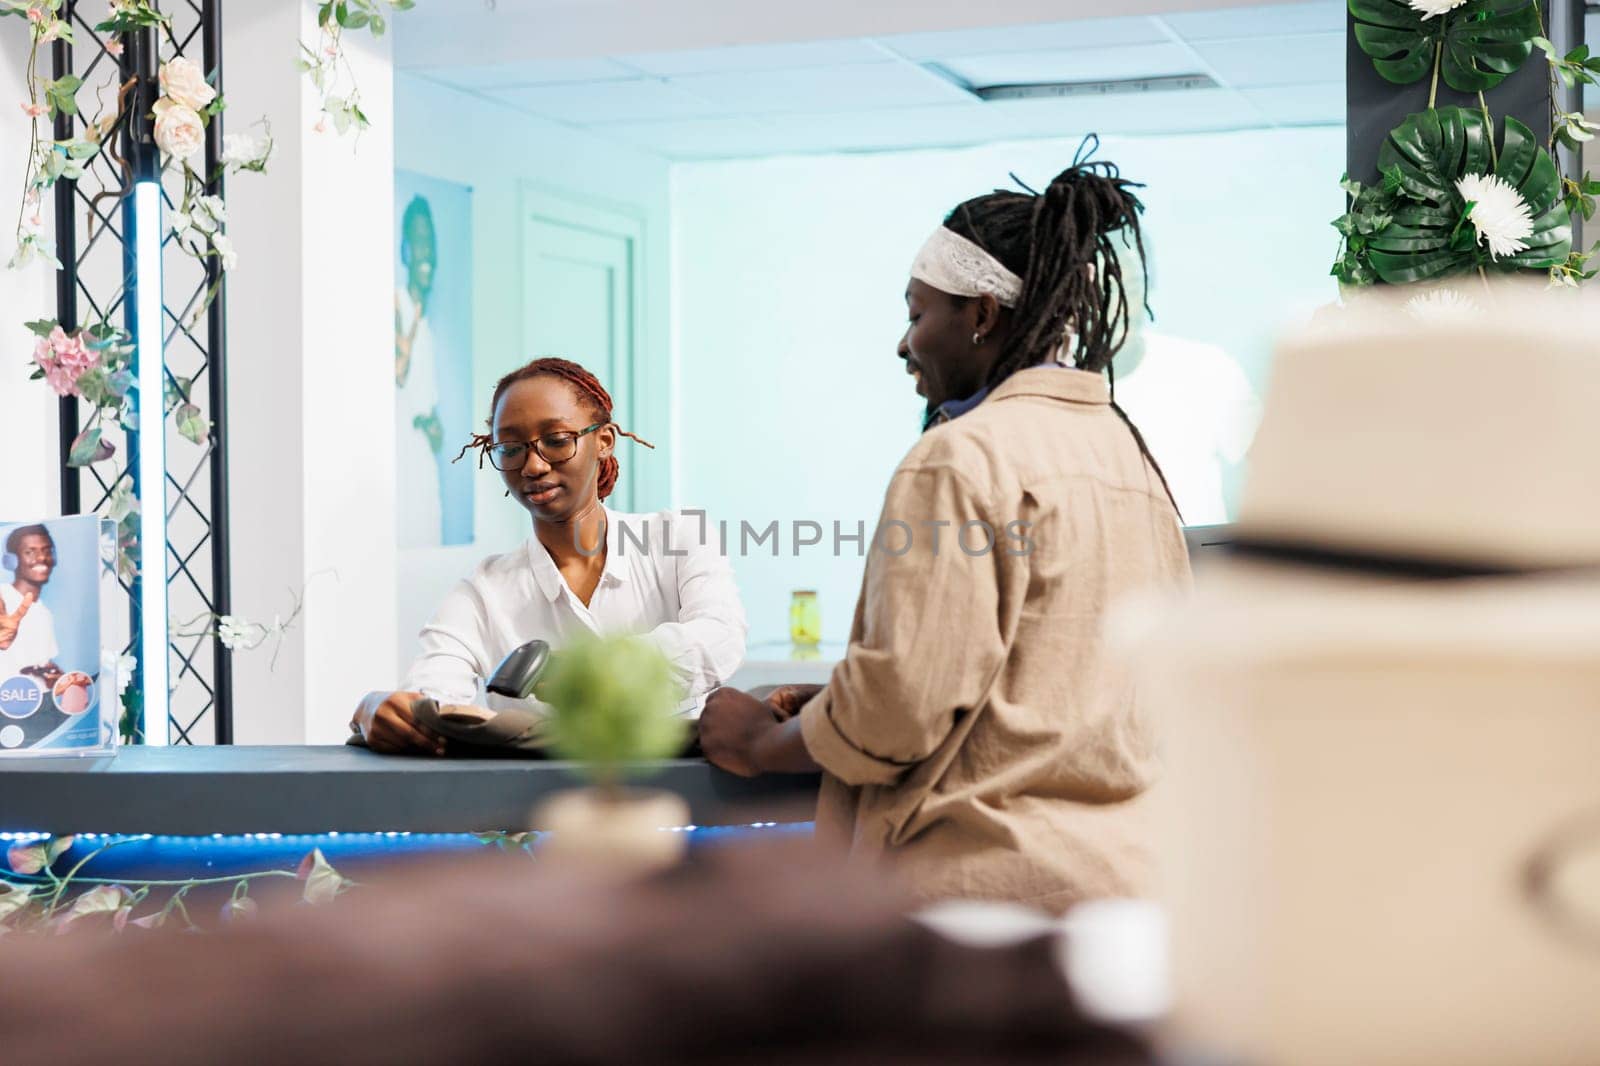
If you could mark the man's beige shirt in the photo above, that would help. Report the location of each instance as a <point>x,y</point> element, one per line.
<point>977,732</point>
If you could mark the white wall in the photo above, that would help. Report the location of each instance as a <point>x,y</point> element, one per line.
<point>504,155</point>
<point>789,276</point>
<point>311,373</point>
<point>29,478</point>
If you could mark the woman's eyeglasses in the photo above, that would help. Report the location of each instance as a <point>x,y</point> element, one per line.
<point>553,448</point>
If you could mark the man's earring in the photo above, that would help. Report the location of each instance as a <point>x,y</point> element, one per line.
<point>977,339</point>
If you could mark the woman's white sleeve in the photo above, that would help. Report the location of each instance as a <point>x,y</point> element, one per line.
<point>454,649</point>
<point>706,644</point>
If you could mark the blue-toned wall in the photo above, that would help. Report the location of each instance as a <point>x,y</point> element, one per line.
<point>788,275</point>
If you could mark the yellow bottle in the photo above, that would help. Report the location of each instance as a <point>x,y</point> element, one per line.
<point>805,619</point>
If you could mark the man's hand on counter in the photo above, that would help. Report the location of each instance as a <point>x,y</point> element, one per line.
<point>747,736</point>
<point>788,699</point>
<point>385,721</point>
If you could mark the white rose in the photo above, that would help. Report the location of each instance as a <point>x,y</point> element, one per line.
<point>179,131</point>
<point>225,252</point>
<point>242,150</point>
<point>183,83</point>
<point>209,213</point>
<point>126,664</point>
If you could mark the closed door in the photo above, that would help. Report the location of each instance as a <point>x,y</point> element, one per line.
<point>578,302</point>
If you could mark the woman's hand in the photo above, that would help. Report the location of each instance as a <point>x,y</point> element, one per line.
<point>385,721</point>
<point>788,699</point>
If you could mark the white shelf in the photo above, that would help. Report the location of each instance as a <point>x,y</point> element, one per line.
<point>781,663</point>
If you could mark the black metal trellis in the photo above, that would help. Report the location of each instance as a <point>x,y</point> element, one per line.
<point>94,243</point>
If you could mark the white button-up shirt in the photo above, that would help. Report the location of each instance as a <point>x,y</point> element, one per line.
<point>664,577</point>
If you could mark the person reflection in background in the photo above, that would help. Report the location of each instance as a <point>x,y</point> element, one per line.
<point>1194,405</point>
<point>418,433</point>
<point>27,629</point>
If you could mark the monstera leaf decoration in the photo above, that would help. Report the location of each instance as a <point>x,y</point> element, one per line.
<point>1425,232</point>
<point>1484,40</point>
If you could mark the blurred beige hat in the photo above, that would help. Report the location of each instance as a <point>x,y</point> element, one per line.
<point>1444,427</point>
<point>1381,717</point>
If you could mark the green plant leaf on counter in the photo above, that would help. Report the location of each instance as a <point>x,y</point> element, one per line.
<point>613,702</point>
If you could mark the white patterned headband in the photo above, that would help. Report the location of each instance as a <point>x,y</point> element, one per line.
<point>951,263</point>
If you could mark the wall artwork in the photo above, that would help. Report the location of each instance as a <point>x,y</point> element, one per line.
<point>432,360</point>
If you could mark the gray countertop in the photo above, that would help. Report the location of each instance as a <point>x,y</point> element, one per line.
<point>190,791</point>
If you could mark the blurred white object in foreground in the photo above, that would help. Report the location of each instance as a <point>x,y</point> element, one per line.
<point>1113,953</point>
<point>1383,780</point>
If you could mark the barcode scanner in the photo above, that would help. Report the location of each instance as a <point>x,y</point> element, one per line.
<point>519,671</point>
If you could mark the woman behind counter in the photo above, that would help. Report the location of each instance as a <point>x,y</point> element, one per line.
<point>552,439</point>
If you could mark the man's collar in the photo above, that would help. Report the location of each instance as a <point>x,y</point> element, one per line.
<point>1053,382</point>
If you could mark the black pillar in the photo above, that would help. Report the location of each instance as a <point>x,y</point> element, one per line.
<point>217,393</point>
<point>65,193</point>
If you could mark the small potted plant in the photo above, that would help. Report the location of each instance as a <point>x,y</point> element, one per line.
<point>613,706</point>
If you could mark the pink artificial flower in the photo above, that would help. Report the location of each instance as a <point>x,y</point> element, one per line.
<point>113,46</point>
<point>71,351</point>
<point>63,360</point>
<point>321,126</point>
<point>35,14</point>
<point>32,110</point>
<point>60,380</point>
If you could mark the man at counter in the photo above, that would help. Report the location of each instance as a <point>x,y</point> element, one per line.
<point>976,733</point>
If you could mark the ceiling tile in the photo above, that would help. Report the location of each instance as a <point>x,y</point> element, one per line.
<point>1270,20</point>
<point>608,101</point>
<point>1276,61</point>
<point>949,125</point>
<point>857,86</point>
<point>700,138</point>
<point>1083,33</point>
<point>896,128</point>
<point>532,72</point>
<point>1100,64</point>
<point>755,57</point>
<point>1301,105</point>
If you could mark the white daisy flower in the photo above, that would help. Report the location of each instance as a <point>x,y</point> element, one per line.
<point>1430,8</point>
<point>1442,307</point>
<point>1499,213</point>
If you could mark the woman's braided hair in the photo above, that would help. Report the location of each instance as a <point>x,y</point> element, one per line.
<point>588,387</point>
<point>1063,244</point>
